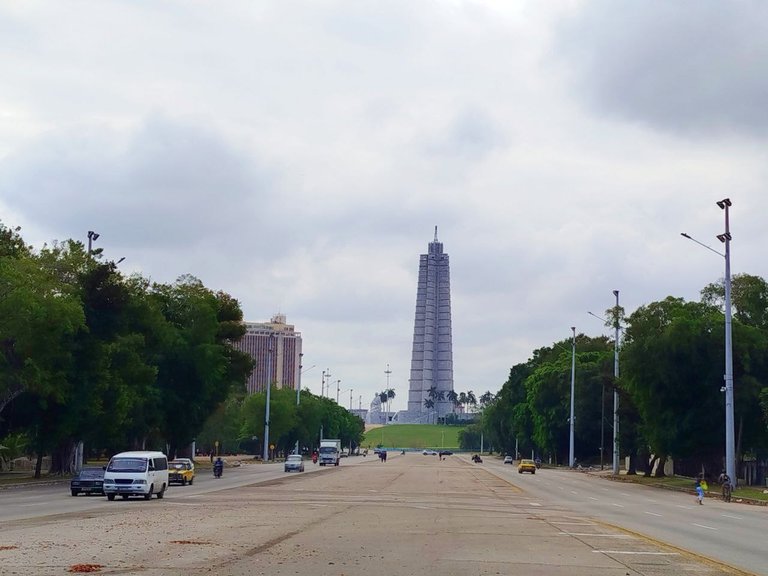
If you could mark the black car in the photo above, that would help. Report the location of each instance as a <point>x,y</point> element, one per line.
<point>88,481</point>
<point>445,453</point>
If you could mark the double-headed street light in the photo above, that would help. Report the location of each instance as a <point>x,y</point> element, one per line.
<point>617,327</point>
<point>92,237</point>
<point>730,447</point>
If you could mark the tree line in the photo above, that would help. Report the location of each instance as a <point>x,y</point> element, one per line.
<point>671,403</point>
<point>88,354</point>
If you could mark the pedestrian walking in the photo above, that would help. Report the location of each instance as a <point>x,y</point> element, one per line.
<point>699,491</point>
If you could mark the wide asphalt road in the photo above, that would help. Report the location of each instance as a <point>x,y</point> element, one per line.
<point>411,515</point>
<point>732,533</point>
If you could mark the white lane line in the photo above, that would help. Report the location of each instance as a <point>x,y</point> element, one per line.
<point>650,500</point>
<point>683,507</point>
<point>574,523</point>
<point>574,492</point>
<point>653,514</point>
<point>638,553</point>
<point>592,498</point>
<point>624,536</point>
<point>533,504</point>
<point>617,505</point>
<point>732,516</point>
<point>707,527</point>
<point>624,494</point>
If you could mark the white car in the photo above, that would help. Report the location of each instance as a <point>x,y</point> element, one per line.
<point>429,453</point>
<point>294,462</point>
<point>509,460</point>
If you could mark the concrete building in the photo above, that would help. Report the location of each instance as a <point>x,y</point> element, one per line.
<point>281,366</point>
<point>432,352</point>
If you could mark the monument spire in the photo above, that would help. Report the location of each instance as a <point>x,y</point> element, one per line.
<point>435,233</point>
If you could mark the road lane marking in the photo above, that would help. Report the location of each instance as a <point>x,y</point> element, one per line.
<point>650,500</point>
<point>732,516</point>
<point>624,494</point>
<point>683,507</point>
<point>592,498</point>
<point>575,523</point>
<point>617,505</point>
<point>703,526</point>
<point>574,492</point>
<point>638,553</point>
<point>624,536</point>
<point>533,504</point>
<point>652,513</point>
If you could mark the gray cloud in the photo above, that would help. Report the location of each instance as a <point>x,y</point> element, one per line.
<point>693,67</point>
<point>169,183</point>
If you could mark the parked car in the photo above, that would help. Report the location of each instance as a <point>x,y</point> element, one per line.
<point>181,471</point>
<point>429,453</point>
<point>445,453</point>
<point>88,481</point>
<point>527,466</point>
<point>509,460</point>
<point>294,462</point>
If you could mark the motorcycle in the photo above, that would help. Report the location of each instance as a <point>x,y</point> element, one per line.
<point>217,470</point>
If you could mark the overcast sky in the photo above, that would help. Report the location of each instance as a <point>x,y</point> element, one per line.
<point>298,156</point>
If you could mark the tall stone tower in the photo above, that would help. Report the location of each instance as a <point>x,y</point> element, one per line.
<point>432,355</point>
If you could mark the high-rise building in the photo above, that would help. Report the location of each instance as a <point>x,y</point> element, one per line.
<point>276,348</point>
<point>432,354</point>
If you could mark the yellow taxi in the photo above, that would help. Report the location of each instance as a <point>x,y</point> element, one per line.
<point>181,471</point>
<point>526,466</point>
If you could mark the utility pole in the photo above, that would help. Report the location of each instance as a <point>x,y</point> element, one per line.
<point>571,455</point>
<point>269,390</point>
<point>616,389</point>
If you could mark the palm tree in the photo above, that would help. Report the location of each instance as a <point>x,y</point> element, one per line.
<point>390,396</point>
<point>486,399</point>
<point>471,400</point>
<point>453,398</point>
<point>383,399</point>
<point>429,404</point>
<point>463,400</point>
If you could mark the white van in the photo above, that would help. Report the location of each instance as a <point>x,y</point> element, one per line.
<point>136,474</point>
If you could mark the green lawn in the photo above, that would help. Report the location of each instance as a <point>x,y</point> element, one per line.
<point>682,482</point>
<point>417,436</point>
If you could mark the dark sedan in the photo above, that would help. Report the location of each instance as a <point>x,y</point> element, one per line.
<point>88,481</point>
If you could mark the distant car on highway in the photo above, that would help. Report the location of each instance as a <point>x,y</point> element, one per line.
<point>429,453</point>
<point>509,460</point>
<point>527,466</point>
<point>181,471</point>
<point>88,481</point>
<point>294,462</point>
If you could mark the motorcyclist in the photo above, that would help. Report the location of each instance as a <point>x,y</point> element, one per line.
<point>218,467</point>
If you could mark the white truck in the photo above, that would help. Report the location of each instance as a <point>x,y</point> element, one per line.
<point>330,452</point>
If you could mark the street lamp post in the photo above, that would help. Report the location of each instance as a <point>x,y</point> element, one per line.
<point>338,389</point>
<point>269,391</point>
<point>298,395</point>
<point>92,237</point>
<point>571,460</point>
<point>616,388</point>
<point>725,238</point>
<point>350,399</point>
<point>730,451</point>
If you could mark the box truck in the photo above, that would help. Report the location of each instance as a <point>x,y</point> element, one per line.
<point>330,452</point>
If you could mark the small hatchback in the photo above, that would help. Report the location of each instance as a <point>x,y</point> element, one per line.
<point>509,460</point>
<point>294,462</point>
<point>527,466</point>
